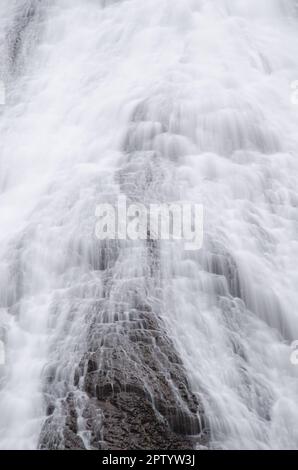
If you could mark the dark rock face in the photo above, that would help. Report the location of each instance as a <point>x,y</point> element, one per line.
<point>61,432</point>
<point>129,388</point>
<point>137,393</point>
<point>142,389</point>
<point>131,423</point>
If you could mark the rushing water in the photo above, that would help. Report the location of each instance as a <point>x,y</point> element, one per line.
<point>193,95</point>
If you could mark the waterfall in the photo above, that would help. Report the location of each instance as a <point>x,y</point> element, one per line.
<point>120,344</point>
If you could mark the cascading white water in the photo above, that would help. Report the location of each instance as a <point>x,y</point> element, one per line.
<point>214,77</point>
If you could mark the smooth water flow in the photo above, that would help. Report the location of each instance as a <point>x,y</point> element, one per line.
<point>160,100</point>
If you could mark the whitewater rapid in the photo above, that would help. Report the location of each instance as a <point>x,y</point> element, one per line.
<point>195,96</point>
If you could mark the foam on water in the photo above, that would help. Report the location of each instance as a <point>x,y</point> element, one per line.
<point>198,92</point>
